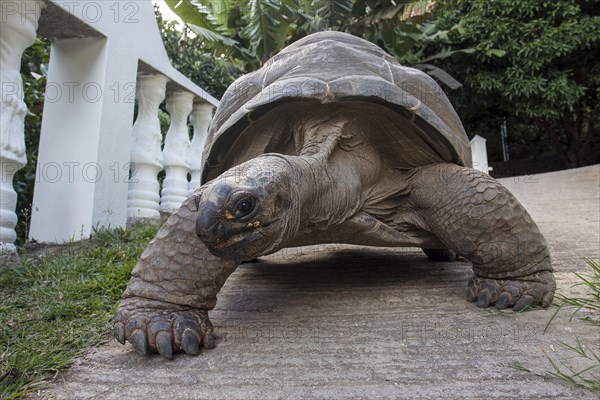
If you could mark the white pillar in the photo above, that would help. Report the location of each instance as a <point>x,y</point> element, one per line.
<point>175,152</point>
<point>146,156</point>
<point>201,117</point>
<point>18,26</point>
<point>479,154</point>
<point>82,175</point>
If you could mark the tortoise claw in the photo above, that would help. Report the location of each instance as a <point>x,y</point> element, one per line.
<point>471,295</point>
<point>153,326</point>
<point>163,344</point>
<point>520,293</point>
<point>503,301</point>
<point>547,299</point>
<point>119,331</point>
<point>190,342</point>
<point>484,299</point>
<point>524,302</point>
<point>208,341</point>
<point>138,339</point>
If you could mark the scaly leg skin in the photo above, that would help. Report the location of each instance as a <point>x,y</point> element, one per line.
<point>172,287</point>
<point>478,218</point>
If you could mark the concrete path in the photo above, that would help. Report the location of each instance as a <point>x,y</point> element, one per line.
<point>351,322</point>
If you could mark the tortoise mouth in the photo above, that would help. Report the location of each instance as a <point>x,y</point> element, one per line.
<point>248,243</point>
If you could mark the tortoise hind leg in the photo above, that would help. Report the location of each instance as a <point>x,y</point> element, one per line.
<point>479,219</point>
<point>172,287</point>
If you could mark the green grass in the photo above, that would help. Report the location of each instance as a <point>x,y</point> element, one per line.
<point>583,378</point>
<point>586,378</point>
<point>52,308</point>
<point>589,303</point>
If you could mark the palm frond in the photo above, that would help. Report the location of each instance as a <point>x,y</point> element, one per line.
<point>266,29</point>
<point>198,15</point>
<point>332,13</point>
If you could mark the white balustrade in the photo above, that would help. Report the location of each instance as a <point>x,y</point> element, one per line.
<point>18,25</point>
<point>201,117</point>
<point>86,150</point>
<point>146,156</point>
<point>479,154</point>
<point>176,152</point>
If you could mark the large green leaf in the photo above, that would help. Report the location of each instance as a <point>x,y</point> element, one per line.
<point>225,12</point>
<point>248,32</point>
<point>266,28</point>
<point>199,17</point>
<point>398,42</point>
<point>192,12</point>
<point>211,36</point>
<point>332,14</point>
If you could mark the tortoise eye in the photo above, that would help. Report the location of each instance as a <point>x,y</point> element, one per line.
<point>244,207</point>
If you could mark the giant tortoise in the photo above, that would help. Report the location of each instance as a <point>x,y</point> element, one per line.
<point>331,141</point>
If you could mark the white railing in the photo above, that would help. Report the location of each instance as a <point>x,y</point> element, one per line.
<point>104,55</point>
<point>479,154</point>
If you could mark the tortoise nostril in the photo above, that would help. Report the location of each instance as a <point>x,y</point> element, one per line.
<point>208,227</point>
<point>218,232</point>
<point>210,234</point>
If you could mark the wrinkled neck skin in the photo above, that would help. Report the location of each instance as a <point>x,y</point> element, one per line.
<point>332,175</point>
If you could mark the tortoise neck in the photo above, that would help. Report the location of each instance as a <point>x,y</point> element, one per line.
<point>329,187</point>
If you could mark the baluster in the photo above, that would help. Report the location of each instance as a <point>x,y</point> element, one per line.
<point>175,152</point>
<point>146,156</point>
<point>18,26</point>
<point>201,117</point>
<point>479,154</point>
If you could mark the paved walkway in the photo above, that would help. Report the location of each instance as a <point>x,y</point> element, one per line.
<point>351,322</point>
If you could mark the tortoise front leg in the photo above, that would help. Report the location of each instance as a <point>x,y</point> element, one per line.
<point>478,218</point>
<point>172,287</point>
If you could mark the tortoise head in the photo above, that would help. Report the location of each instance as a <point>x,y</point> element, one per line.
<point>250,210</point>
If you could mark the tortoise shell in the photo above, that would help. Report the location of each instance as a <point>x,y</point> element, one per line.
<point>332,67</point>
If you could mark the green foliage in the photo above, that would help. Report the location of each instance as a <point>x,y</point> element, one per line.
<point>536,66</point>
<point>34,67</point>
<point>244,32</point>
<point>249,32</point>
<point>592,301</point>
<point>589,303</point>
<point>562,369</point>
<point>412,41</point>
<point>532,63</point>
<point>264,31</point>
<point>581,378</point>
<point>327,14</point>
<point>54,307</point>
<point>190,56</point>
